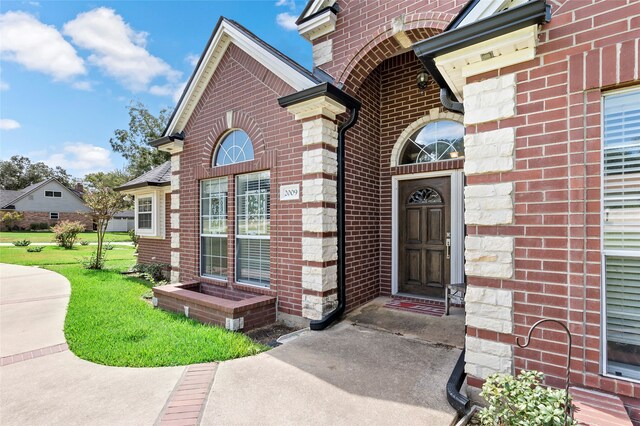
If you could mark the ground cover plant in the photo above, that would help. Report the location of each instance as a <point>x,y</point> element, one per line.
<point>48,237</point>
<point>108,322</point>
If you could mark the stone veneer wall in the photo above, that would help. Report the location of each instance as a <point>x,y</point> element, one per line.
<point>491,204</point>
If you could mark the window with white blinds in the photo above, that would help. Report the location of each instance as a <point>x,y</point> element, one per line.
<point>213,228</point>
<point>621,232</point>
<point>253,218</point>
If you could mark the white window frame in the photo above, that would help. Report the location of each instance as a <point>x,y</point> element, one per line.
<point>147,232</point>
<point>226,236</point>
<point>238,236</point>
<point>53,193</point>
<point>54,218</point>
<point>608,252</point>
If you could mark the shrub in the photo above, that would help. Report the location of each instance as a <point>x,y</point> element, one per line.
<point>522,401</point>
<point>94,261</point>
<point>108,246</point>
<point>10,220</point>
<point>155,272</point>
<point>39,226</point>
<point>134,238</point>
<point>35,249</point>
<point>84,242</point>
<point>66,233</point>
<point>21,243</point>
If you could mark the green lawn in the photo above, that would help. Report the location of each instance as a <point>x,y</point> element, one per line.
<point>47,237</point>
<point>108,321</point>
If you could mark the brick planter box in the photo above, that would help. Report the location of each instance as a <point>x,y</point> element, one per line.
<point>222,306</point>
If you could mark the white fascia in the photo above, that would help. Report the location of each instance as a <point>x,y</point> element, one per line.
<point>322,24</point>
<point>226,34</point>
<point>486,8</point>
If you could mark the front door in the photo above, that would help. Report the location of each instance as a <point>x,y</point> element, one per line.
<point>425,236</point>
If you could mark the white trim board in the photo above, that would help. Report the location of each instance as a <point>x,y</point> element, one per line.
<point>226,34</point>
<point>457,223</point>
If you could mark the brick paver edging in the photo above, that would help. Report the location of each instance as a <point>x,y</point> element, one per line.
<point>186,403</point>
<point>36,353</point>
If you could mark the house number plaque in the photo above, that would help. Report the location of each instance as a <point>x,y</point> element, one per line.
<point>289,192</point>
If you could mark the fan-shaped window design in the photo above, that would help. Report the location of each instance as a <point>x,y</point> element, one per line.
<point>236,147</point>
<point>425,196</point>
<point>436,141</point>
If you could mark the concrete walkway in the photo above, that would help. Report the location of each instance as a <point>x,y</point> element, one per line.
<point>45,386</point>
<point>349,374</point>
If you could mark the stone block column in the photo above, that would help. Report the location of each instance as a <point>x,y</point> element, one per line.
<point>319,199</point>
<point>174,231</point>
<point>489,256</point>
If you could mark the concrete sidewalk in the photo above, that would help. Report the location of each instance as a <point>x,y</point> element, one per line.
<point>57,387</point>
<point>348,374</point>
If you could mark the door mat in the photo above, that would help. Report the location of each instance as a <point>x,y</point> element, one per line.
<point>433,308</point>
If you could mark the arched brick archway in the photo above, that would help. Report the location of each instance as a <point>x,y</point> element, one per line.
<point>221,126</point>
<point>383,45</point>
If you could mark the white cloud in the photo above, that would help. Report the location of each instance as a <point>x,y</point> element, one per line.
<point>117,49</point>
<point>192,59</point>
<point>4,85</point>
<point>8,124</point>
<point>291,4</point>
<point>81,158</point>
<point>178,92</point>
<point>38,47</point>
<point>82,85</point>
<point>34,3</point>
<point>287,21</point>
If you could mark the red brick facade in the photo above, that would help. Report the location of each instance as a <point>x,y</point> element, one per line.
<point>157,250</point>
<point>586,49</point>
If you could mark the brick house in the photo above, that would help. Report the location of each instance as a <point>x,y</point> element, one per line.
<point>489,142</point>
<point>46,202</point>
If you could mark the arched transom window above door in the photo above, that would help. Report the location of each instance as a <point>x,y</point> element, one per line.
<point>435,141</point>
<point>235,147</point>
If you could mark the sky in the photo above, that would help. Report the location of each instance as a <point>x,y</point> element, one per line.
<point>68,69</point>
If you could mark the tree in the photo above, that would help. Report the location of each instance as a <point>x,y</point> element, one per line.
<point>104,203</point>
<point>19,172</point>
<point>66,233</point>
<point>111,179</point>
<point>10,220</point>
<point>133,143</point>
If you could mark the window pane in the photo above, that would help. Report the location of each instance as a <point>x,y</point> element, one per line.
<point>253,204</point>
<point>48,193</point>
<point>437,141</point>
<point>213,262</point>
<point>213,228</point>
<point>253,218</point>
<point>144,205</point>
<point>57,194</point>
<point>144,220</point>
<point>252,261</point>
<point>621,232</point>
<point>236,147</point>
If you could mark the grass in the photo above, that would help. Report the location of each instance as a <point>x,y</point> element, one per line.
<point>109,323</point>
<point>47,237</point>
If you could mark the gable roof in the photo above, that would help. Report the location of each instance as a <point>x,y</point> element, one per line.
<point>225,32</point>
<point>13,196</point>
<point>158,176</point>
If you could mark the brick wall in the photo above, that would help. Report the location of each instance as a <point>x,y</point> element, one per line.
<point>245,87</point>
<point>156,250</point>
<point>43,217</point>
<point>588,47</point>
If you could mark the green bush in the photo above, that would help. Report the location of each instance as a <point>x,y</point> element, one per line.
<point>134,237</point>
<point>39,226</point>
<point>108,246</point>
<point>21,243</point>
<point>35,249</point>
<point>155,272</point>
<point>522,401</point>
<point>66,233</point>
<point>84,242</point>
<point>10,220</point>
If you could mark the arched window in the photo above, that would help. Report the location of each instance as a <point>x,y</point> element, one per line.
<point>436,141</point>
<point>235,147</point>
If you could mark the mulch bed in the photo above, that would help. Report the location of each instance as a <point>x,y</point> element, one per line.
<point>269,334</point>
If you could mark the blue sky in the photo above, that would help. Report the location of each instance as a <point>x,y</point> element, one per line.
<point>69,69</point>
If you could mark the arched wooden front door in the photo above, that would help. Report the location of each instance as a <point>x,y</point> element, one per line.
<point>425,236</point>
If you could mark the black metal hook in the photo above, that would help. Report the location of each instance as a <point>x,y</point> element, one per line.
<point>568,368</point>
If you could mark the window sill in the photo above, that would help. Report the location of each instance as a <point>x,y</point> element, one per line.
<point>250,288</point>
<point>214,281</point>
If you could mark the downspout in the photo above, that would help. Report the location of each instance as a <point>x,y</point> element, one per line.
<point>332,316</point>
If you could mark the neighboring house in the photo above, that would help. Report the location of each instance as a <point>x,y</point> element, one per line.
<point>122,221</point>
<point>512,165</point>
<point>46,202</point>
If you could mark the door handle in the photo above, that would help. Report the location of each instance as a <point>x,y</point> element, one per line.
<point>448,245</point>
